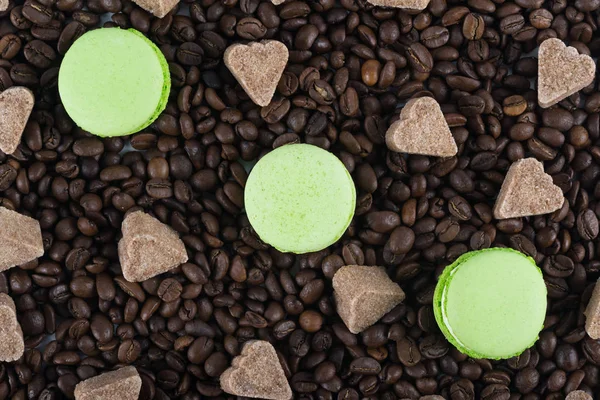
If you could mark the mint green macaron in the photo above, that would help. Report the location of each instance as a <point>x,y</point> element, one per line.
<point>300,198</point>
<point>491,303</point>
<point>114,82</point>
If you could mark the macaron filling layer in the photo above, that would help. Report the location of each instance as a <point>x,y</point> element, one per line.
<point>114,82</point>
<point>491,303</point>
<point>300,198</point>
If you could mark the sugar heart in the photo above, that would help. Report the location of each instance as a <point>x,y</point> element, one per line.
<point>592,314</point>
<point>363,295</point>
<point>257,67</point>
<point>421,129</point>
<point>148,247</point>
<point>16,104</point>
<point>20,239</point>
<point>256,372</point>
<point>527,190</point>
<point>578,395</point>
<point>159,8</point>
<point>562,71</point>
<point>123,384</point>
<point>416,5</point>
<point>12,345</point>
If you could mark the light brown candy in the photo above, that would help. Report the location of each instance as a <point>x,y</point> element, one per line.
<point>421,129</point>
<point>148,247</point>
<point>20,239</point>
<point>257,373</point>
<point>579,395</point>
<point>592,314</point>
<point>159,8</point>
<point>527,190</point>
<point>415,5</point>
<point>11,335</point>
<point>122,384</point>
<point>363,295</point>
<point>562,71</point>
<point>257,67</point>
<point>16,104</point>
<point>4,5</point>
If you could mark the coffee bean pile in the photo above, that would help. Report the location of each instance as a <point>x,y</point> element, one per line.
<point>351,65</point>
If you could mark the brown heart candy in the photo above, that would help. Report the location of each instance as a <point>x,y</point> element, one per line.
<point>148,247</point>
<point>592,314</point>
<point>20,239</point>
<point>527,190</point>
<point>159,8</point>
<point>122,384</point>
<point>562,71</point>
<point>257,67</point>
<point>12,345</point>
<point>364,294</point>
<point>256,373</point>
<point>415,5</point>
<point>578,395</point>
<point>16,104</point>
<point>421,129</point>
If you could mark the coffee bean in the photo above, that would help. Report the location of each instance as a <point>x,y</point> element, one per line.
<point>473,26</point>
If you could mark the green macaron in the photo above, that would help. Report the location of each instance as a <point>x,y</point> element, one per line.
<point>299,198</point>
<point>114,82</point>
<point>491,303</point>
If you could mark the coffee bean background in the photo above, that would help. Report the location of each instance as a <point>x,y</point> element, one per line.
<point>351,65</point>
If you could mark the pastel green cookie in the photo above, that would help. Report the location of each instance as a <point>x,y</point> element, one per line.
<point>300,198</point>
<point>491,303</point>
<point>114,82</point>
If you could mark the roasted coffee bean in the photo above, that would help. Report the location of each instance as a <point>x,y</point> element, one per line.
<point>473,26</point>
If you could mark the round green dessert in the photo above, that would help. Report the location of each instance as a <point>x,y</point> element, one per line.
<point>491,303</point>
<point>114,82</point>
<point>299,198</point>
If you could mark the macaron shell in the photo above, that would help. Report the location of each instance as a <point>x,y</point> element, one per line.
<point>300,198</point>
<point>114,82</point>
<point>484,327</point>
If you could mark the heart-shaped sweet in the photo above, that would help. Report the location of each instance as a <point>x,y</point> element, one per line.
<point>562,71</point>
<point>413,5</point>
<point>148,247</point>
<point>527,190</point>
<point>12,345</point>
<point>257,67</point>
<point>421,129</point>
<point>256,372</point>
<point>16,104</point>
